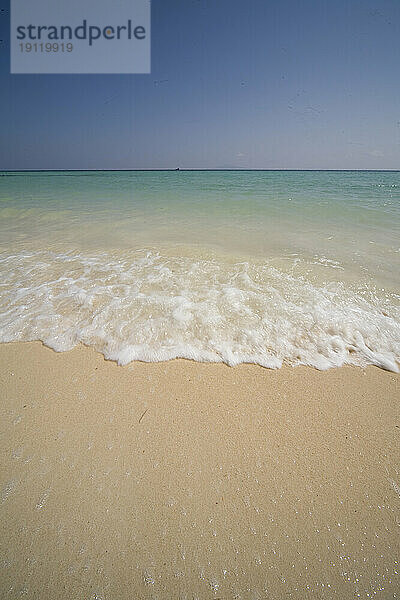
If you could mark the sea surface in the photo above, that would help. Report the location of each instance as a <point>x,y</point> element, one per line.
<point>266,267</point>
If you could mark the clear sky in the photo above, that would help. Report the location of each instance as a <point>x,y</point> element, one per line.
<point>234,83</point>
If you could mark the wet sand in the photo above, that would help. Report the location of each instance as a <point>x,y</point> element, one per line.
<point>183,480</point>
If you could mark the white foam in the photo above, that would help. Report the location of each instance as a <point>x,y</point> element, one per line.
<point>149,307</point>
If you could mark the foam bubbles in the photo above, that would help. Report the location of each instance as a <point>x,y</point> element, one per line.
<point>152,307</point>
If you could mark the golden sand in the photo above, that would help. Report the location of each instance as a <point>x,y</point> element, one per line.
<point>183,480</point>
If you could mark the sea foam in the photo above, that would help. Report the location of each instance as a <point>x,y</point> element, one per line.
<point>153,307</point>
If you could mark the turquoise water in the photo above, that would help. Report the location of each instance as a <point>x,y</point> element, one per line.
<point>272,267</point>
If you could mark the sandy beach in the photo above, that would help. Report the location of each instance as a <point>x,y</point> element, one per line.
<point>187,480</point>
<point>200,300</point>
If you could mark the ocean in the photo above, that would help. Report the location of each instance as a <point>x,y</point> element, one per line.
<point>265,267</point>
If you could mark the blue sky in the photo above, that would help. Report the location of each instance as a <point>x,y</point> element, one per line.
<point>234,83</point>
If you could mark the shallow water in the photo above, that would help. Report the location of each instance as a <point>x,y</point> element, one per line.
<point>268,267</point>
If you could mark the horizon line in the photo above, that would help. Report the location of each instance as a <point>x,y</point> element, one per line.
<point>178,169</point>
